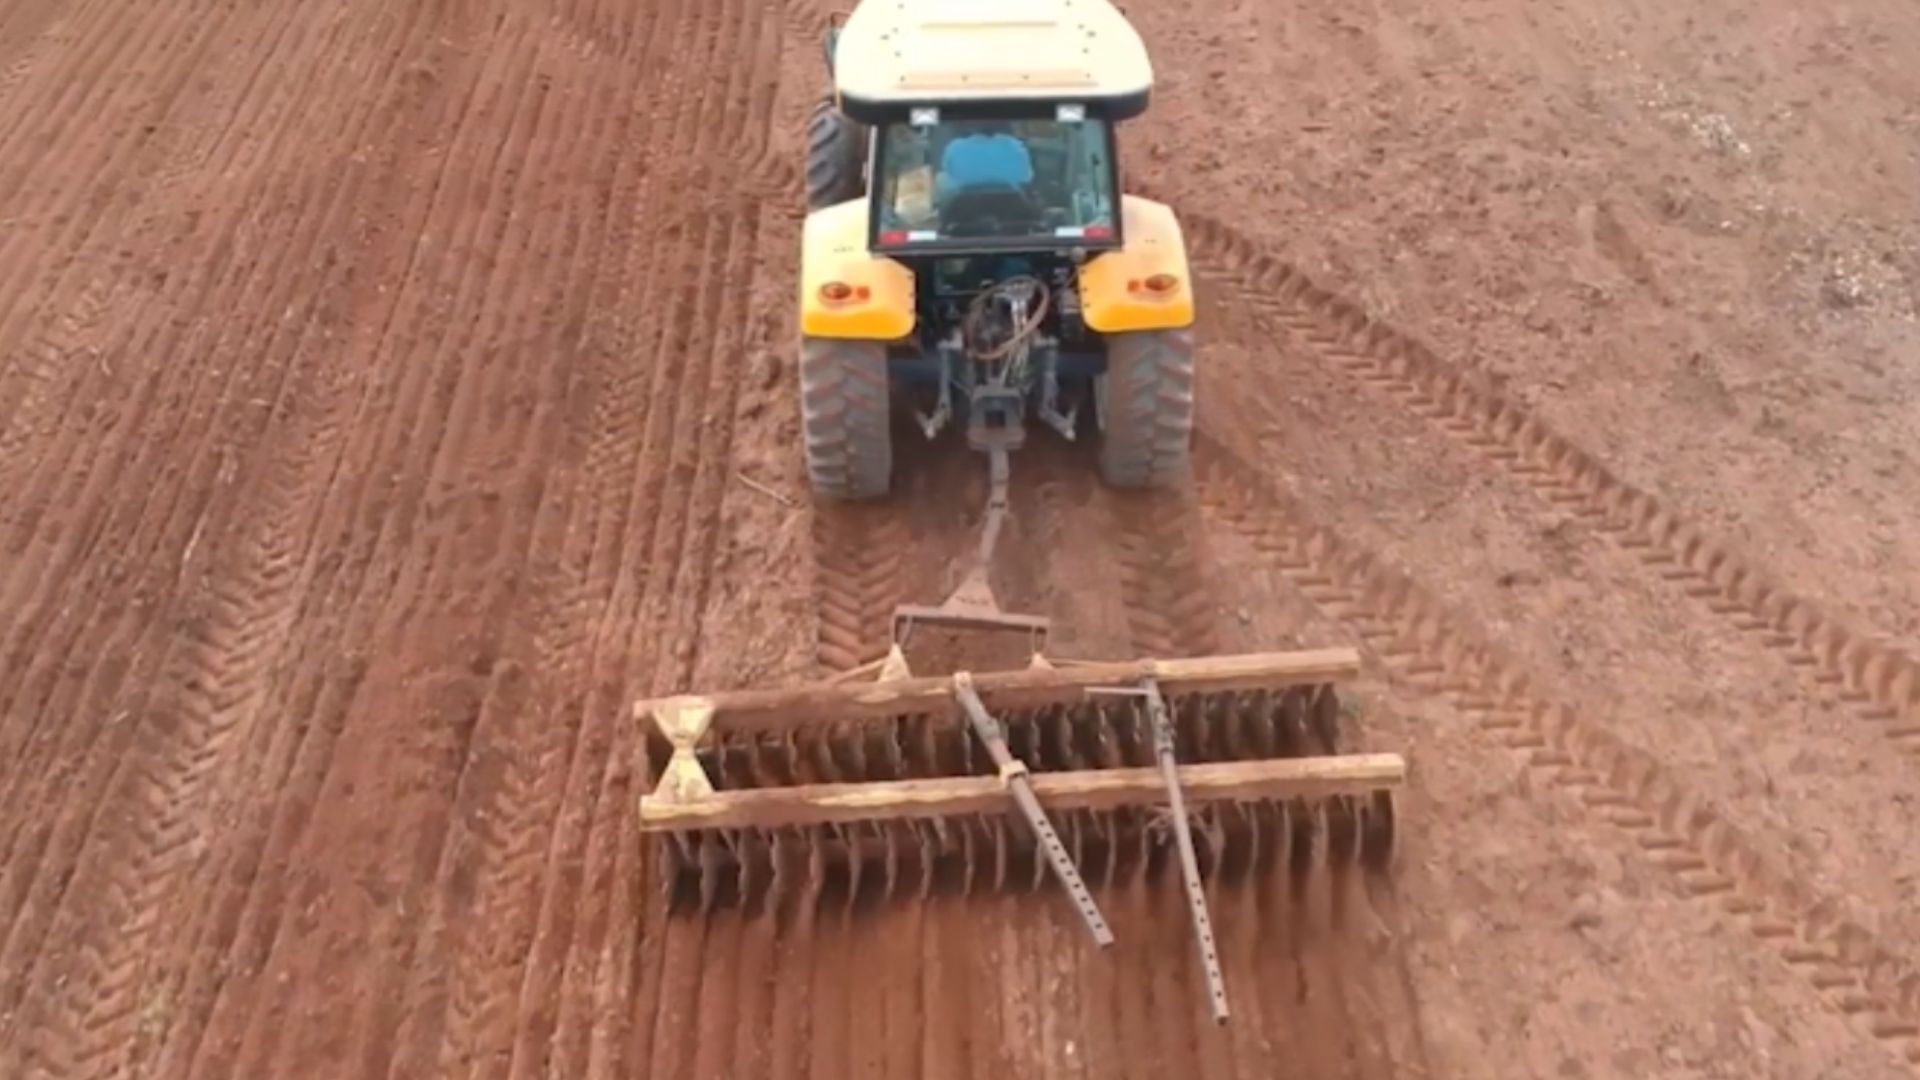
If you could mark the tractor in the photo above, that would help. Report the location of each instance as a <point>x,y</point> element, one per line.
<point>969,248</point>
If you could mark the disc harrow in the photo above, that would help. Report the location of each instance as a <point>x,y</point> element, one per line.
<point>1088,773</point>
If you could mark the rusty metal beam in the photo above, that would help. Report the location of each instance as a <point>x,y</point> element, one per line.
<point>782,710</point>
<point>1091,789</point>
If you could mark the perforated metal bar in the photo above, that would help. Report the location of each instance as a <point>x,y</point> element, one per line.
<point>1013,772</point>
<point>1163,747</point>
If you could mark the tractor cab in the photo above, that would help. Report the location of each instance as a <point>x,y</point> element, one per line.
<point>954,180</point>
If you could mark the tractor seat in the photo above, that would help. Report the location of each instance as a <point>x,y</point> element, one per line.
<point>973,161</point>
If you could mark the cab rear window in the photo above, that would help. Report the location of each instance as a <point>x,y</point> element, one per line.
<point>993,181</point>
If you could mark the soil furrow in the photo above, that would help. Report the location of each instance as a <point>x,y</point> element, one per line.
<point>135,445</point>
<point>496,814</point>
<point>638,501</point>
<point>584,570</point>
<point>572,982</point>
<point>243,925</point>
<point>522,461</point>
<point>271,927</point>
<point>390,395</point>
<point>274,402</point>
<point>219,687</point>
<point>675,1021</point>
<point>714,337</point>
<point>222,272</point>
<point>98,147</point>
<point>716,1005</point>
<point>678,605</point>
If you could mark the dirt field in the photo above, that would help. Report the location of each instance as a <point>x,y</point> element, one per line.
<point>380,388</point>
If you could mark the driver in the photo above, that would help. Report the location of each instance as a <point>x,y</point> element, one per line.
<point>991,157</point>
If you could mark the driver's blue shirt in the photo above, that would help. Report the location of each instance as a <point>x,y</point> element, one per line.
<point>984,160</point>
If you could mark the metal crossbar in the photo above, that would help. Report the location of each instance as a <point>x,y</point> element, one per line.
<point>1189,863</point>
<point>1013,772</point>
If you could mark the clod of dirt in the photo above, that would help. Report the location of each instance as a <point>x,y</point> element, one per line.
<point>1586,912</point>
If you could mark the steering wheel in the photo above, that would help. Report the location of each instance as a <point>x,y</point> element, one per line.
<point>989,208</point>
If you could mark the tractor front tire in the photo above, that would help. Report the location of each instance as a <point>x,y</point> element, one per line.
<point>836,157</point>
<point>1147,407</point>
<point>845,413</point>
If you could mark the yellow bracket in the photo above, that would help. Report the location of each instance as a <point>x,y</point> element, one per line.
<point>684,721</point>
<point>889,668</point>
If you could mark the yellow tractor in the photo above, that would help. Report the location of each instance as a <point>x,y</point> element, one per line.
<point>969,256</point>
<point>969,248</point>
<point>968,235</point>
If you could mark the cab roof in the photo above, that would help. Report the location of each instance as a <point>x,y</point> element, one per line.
<point>894,54</point>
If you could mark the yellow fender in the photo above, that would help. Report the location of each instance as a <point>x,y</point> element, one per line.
<point>845,291</point>
<point>1145,285</point>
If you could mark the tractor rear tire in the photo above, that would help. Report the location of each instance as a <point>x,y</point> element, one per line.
<point>1147,399</point>
<point>836,157</point>
<point>845,412</point>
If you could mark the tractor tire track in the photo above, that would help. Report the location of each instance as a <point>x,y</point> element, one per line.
<point>1877,682</point>
<point>161,525</point>
<point>70,464</point>
<point>218,687</point>
<point>94,134</point>
<point>474,1023</point>
<point>858,580</point>
<point>624,419</point>
<point>423,411</point>
<point>1169,601</point>
<point>673,605</point>
<point>469,949</point>
<point>214,690</point>
<point>256,925</point>
<point>1420,644</point>
<point>478,437</point>
<point>238,931</point>
<point>565,909</point>
<point>676,603</point>
<point>691,441</point>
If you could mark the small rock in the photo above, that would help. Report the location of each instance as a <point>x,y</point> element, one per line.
<point>1586,912</point>
<point>1461,927</point>
<point>1757,1036</point>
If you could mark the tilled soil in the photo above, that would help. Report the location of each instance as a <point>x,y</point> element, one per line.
<point>390,394</point>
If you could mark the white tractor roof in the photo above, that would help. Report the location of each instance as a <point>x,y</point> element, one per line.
<point>897,53</point>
